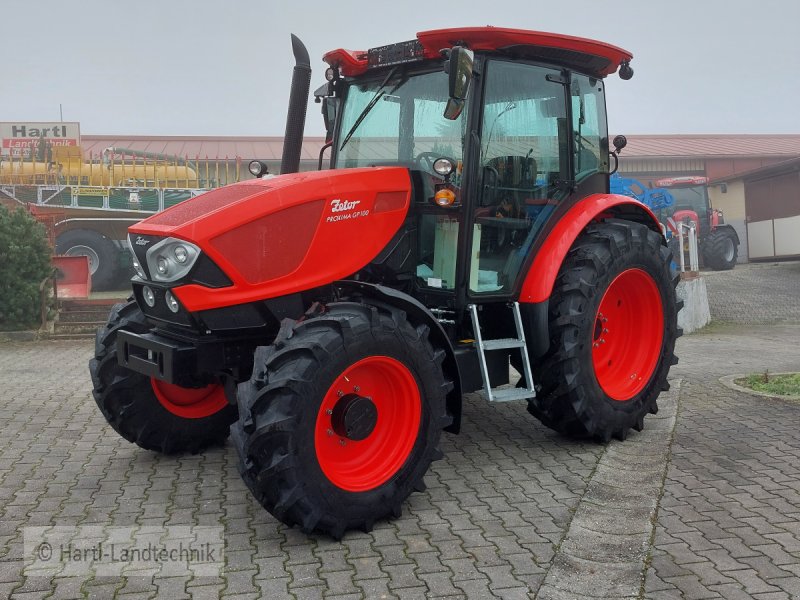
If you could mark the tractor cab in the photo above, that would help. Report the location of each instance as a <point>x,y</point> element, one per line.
<point>526,139</point>
<point>691,202</point>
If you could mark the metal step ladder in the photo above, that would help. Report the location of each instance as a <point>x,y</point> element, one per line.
<point>497,394</point>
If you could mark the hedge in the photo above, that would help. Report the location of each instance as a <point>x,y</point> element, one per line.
<point>24,263</point>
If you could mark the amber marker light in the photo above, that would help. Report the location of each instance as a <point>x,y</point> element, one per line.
<point>445,197</point>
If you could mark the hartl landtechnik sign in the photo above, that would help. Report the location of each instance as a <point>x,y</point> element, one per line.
<point>20,139</point>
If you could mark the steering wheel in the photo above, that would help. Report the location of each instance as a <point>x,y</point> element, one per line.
<point>425,160</point>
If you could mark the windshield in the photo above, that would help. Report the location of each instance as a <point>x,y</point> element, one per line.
<point>690,197</point>
<point>405,125</point>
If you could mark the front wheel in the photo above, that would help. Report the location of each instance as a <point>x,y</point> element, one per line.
<point>342,418</point>
<point>720,249</point>
<point>613,325</point>
<point>154,414</point>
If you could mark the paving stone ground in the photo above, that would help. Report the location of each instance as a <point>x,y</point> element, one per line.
<point>755,293</point>
<point>501,509</point>
<point>488,524</point>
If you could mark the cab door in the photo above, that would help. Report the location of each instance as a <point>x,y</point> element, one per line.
<point>523,170</point>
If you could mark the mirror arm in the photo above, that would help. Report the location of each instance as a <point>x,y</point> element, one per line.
<point>322,152</point>
<point>616,163</point>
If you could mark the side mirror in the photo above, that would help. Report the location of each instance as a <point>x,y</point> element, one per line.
<point>330,105</point>
<point>459,66</point>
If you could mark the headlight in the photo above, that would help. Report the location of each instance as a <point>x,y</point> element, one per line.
<point>149,296</point>
<point>443,166</point>
<point>181,254</point>
<point>172,303</point>
<point>257,168</point>
<point>171,259</point>
<point>138,268</point>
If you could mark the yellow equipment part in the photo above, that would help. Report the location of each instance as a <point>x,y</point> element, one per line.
<point>68,167</point>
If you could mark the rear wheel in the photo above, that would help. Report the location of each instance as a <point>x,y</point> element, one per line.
<point>100,250</point>
<point>342,418</point>
<point>613,324</point>
<point>154,414</point>
<point>720,249</point>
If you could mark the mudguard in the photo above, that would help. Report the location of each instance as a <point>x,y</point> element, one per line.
<point>538,283</point>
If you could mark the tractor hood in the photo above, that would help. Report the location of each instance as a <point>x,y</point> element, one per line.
<point>288,233</point>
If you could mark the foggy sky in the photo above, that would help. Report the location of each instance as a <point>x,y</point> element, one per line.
<point>170,67</point>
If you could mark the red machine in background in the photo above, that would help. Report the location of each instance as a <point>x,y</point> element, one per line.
<point>718,242</point>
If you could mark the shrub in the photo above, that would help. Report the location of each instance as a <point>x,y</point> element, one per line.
<point>24,263</point>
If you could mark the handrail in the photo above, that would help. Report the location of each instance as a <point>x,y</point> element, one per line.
<point>691,235</point>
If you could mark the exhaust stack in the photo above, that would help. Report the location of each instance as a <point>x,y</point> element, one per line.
<point>298,104</point>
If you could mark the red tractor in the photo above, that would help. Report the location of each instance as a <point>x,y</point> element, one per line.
<point>332,320</point>
<point>718,242</point>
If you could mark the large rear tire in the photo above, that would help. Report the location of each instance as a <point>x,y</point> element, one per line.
<point>613,325</point>
<point>720,249</point>
<point>341,418</point>
<point>100,250</point>
<point>154,414</point>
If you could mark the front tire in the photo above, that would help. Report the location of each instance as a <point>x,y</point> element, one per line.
<point>720,249</point>
<point>302,458</point>
<point>154,414</point>
<point>613,325</point>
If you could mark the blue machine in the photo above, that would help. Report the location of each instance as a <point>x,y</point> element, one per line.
<point>655,199</point>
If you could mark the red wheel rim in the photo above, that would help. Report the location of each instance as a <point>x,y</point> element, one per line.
<point>189,403</point>
<point>358,466</point>
<point>627,336</point>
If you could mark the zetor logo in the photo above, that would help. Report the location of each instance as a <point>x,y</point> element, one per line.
<point>140,241</point>
<point>341,205</point>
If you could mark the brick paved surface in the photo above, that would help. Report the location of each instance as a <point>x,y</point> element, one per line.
<point>755,293</point>
<point>488,524</point>
<point>729,519</point>
<point>496,519</point>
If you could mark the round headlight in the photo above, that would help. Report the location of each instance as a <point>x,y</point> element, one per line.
<point>443,166</point>
<point>257,168</point>
<point>331,74</point>
<point>162,265</point>
<point>138,268</point>
<point>181,254</point>
<point>172,303</point>
<point>149,296</point>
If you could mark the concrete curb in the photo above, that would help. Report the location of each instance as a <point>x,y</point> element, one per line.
<point>605,549</point>
<point>729,382</point>
<point>19,336</point>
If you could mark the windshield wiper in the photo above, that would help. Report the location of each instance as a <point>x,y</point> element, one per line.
<point>378,95</point>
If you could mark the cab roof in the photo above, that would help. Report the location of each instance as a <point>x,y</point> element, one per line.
<point>590,56</point>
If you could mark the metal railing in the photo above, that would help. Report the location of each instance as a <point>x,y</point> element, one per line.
<point>122,167</point>
<point>687,244</point>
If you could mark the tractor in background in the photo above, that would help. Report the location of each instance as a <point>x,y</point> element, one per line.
<point>685,200</point>
<point>332,320</point>
<point>718,242</point>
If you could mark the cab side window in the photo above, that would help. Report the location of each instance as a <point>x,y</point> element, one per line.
<point>590,147</point>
